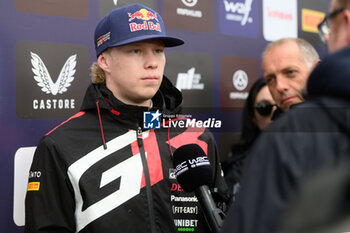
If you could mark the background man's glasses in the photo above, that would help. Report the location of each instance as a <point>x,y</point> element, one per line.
<point>264,109</point>
<point>323,27</point>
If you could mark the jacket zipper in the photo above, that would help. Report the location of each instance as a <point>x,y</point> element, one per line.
<point>147,179</point>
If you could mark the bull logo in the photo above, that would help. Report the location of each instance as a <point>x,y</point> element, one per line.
<point>142,14</point>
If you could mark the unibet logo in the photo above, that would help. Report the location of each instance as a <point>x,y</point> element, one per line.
<point>310,19</point>
<point>189,81</point>
<point>42,75</point>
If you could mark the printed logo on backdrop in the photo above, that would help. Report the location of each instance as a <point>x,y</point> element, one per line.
<point>192,74</point>
<point>51,79</point>
<point>65,8</point>
<point>189,3</point>
<point>189,80</point>
<point>310,20</point>
<point>311,15</point>
<point>240,80</point>
<point>194,15</point>
<point>44,80</point>
<point>237,75</point>
<point>105,6</point>
<point>280,19</point>
<point>187,11</point>
<point>239,17</point>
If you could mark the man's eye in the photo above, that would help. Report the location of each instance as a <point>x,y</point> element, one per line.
<point>291,72</point>
<point>136,51</point>
<point>269,80</point>
<point>159,51</point>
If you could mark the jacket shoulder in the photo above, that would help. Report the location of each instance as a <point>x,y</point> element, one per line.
<point>79,114</point>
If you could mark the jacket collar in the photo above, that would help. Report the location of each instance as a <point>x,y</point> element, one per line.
<point>168,100</point>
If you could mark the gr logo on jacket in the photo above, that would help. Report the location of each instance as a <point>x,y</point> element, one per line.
<point>101,172</point>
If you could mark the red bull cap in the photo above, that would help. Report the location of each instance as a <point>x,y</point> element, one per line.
<point>130,24</point>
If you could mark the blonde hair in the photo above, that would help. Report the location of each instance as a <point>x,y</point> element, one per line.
<point>97,74</point>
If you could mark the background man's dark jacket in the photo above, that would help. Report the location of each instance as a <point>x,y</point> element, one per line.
<point>311,136</point>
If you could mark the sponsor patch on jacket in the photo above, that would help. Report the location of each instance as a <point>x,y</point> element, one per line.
<point>33,186</point>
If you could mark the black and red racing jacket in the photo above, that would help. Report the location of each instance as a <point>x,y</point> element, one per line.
<point>100,171</point>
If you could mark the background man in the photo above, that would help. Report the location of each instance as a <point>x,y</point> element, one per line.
<point>287,64</point>
<point>311,136</point>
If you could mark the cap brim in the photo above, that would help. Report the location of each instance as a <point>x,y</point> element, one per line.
<point>168,41</point>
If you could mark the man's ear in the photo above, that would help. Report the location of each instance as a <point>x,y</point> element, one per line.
<point>316,64</point>
<point>103,62</point>
<point>346,16</point>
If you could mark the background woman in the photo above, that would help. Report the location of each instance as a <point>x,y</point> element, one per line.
<point>256,116</point>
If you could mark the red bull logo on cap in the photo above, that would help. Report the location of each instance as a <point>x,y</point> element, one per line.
<point>145,15</point>
<point>142,14</point>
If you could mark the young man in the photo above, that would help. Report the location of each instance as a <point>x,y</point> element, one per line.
<point>101,171</point>
<point>311,136</point>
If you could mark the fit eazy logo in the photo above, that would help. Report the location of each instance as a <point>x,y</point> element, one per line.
<point>279,19</point>
<point>50,79</point>
<point>189,81</point>
<point>239,17</point>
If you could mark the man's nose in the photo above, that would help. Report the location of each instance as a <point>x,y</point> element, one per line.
<point>281,84</point>
<point>151,61</point>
